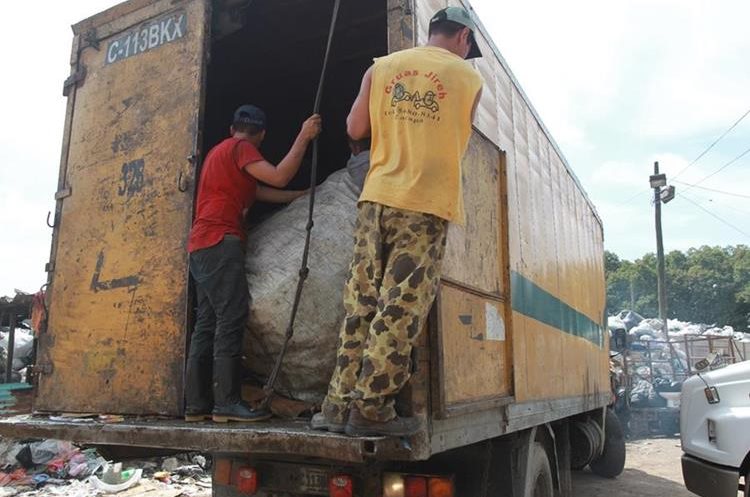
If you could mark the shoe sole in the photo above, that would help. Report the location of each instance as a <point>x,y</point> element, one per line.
<point>194,418</point>
<point>354,431</point>
<point>226,419</point>
<point>331,427</point>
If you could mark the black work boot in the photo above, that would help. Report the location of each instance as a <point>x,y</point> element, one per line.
<point>228,403</point>
<point>321,422</point>
<point>359,426</point>
<point>199,398</point>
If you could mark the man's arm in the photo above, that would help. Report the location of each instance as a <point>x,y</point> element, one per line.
<point>358,122</point>
<point>280,175</point>
<point>276,196</point>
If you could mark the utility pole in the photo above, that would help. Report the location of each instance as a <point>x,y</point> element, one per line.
<point>658,181</point>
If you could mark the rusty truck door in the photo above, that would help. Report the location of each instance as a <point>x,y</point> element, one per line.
<point>115,340</point>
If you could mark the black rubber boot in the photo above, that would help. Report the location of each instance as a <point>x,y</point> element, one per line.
<point>359,426</point>
<point>228,404</point>
<point>199,398</point>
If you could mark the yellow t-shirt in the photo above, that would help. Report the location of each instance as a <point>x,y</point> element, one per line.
<point>420,112</point>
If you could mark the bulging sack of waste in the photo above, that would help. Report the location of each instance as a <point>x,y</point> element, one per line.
<point>274,253</point>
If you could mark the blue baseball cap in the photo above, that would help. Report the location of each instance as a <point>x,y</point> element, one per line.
<point>250,114</point>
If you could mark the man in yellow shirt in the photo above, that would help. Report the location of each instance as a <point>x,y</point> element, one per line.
<point>417,106</point>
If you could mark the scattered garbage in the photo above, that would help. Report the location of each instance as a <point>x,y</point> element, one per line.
<point>655,364</point>
<point>49,468</point>
<point>115,480</point>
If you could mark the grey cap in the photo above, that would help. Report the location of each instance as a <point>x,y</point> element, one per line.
<point>463,17</point>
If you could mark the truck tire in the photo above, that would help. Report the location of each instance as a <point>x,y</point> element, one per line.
<point>612,460</point>
<point>539,473</point>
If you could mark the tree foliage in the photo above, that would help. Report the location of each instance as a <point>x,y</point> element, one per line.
<point>706,285</point>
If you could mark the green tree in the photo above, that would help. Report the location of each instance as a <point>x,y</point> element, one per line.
<point>704,284</point>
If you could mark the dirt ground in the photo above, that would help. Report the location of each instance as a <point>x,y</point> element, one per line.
<point>652,469</point>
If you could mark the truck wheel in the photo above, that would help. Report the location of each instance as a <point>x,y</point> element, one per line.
<point>612,461</point>
<point>539,473</point>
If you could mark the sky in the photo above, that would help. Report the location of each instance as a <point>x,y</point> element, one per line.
<point>618,84</point>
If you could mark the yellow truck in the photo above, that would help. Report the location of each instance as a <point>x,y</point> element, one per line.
<point>511,375</point>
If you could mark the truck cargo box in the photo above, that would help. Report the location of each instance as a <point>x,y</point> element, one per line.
<point>517,336</point>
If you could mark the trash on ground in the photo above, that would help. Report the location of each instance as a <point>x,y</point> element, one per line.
<point>51,468</point>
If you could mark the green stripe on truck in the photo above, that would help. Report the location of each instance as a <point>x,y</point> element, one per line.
<point>533,301</point>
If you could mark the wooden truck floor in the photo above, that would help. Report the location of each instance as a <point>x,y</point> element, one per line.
<point>268,437</point>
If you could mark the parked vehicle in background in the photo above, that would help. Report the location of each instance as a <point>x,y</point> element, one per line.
<point>715,431</point>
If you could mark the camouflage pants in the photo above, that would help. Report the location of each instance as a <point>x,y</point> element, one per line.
<point>391,285</point>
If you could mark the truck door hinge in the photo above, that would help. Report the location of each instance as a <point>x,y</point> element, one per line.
<point>49,267</point>
<point>74,80</point>
<point>64,193</point>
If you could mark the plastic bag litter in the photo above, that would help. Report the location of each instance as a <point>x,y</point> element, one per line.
<point>85,463</point>
<point>726,331</point>
<point>49,450</point>
<point>114,479</point>
<point>630,318</point>
<point>642,329</point>
<point>642,394</point>
<point>274,252</point>
<point>23,343</point>
<point>615,323</point>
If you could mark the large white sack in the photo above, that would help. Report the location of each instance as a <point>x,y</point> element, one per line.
<point>274,252</point>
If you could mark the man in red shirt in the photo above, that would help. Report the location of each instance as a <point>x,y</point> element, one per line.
<point>228,186</point>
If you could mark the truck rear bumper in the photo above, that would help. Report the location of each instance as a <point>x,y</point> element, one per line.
<point>709,480</point>
<point>272,437</point>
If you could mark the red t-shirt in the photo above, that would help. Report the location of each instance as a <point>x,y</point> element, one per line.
<point>224,191</point>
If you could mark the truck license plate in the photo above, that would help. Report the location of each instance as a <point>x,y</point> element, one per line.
<point>147,36</point>
<point>314,481</point>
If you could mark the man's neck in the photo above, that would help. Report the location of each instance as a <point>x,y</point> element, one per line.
<point>247,137</point>
<point>440,42</point>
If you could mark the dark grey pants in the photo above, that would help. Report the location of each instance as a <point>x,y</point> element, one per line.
<point>222,298</point>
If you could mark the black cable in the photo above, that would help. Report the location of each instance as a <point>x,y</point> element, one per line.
<point>695,185</point>
<point>738,121</point>
<point>684,197</point>
<point>304,270</point>
<point>720,169</point>
<point>713,144</point>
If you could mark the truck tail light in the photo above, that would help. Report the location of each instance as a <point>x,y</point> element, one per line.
<point>400,485</point>
<point>247,480</point>
<point>223,471</point>
<point>340,486</point>
<point>440,487</point>
<point>415,486</point>
<point>393,485</point>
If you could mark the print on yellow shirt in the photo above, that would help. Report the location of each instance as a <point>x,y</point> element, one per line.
<point>420,111</point>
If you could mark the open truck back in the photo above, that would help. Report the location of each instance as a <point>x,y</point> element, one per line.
<point>511,376</point>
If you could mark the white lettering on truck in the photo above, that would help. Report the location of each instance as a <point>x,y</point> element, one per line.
<point>147,36</point>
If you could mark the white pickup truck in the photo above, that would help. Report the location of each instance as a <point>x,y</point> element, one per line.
<point>715,432</point>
